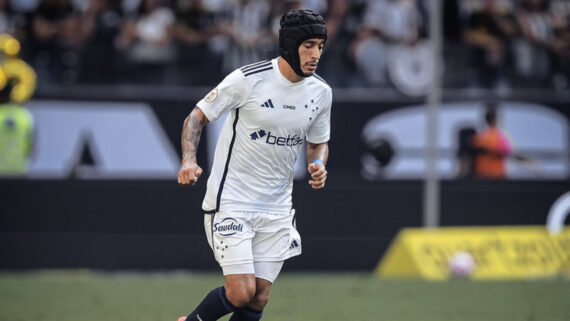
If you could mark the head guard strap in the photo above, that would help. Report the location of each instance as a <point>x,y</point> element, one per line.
<point>296,27</point>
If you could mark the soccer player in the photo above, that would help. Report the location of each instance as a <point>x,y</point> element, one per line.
<point>275,106</point>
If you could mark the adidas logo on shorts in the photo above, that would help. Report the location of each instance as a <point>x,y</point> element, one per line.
<point>294,244</point>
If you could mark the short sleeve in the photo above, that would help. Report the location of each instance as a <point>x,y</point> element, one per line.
<point>230,94</point>
<point>319,132</point>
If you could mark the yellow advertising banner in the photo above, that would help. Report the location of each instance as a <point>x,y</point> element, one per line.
<point>500,253</point>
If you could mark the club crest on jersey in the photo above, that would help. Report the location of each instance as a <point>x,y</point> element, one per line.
<point>212,96</point>
<point>228,226</point>
<point>276,140</point>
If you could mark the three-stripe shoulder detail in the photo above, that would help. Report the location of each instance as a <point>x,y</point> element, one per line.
<point>319,78</point>
<point>253,65</point>
<point>257,67</point>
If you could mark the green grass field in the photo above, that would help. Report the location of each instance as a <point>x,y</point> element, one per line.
<point>87,296</point>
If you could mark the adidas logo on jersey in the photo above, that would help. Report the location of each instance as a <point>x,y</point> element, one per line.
<point>268,104</point>
<point>293,245</point>
<point>276,140</point>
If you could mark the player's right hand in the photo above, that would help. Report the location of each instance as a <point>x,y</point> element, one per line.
<point>189,173</point>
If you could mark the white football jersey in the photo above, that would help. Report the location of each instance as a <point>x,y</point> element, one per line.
<point>270,119</point>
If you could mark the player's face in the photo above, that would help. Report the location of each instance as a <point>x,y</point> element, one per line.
<point>309,54</point>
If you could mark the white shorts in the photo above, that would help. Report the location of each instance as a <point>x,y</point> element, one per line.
<point>242,240</point>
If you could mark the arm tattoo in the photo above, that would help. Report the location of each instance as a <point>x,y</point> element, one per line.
<point>191,132</point>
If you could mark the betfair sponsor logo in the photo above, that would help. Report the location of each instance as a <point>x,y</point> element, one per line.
<point>276,140</point>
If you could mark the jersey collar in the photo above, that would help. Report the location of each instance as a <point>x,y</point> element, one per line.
<point>282,78</point>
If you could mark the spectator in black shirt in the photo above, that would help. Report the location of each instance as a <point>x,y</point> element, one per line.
<point>101,25</point>
<point>56,39</point>
<point>487,33</point>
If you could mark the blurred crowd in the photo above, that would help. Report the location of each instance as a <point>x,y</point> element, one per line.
<point>487,43</point>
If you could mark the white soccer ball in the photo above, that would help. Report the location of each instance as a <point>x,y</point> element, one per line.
<point>461,264</point>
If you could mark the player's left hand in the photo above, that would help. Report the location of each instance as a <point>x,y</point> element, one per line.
<point>318,175</point>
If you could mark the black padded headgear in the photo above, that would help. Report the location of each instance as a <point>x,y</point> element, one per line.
<point>296,27</point>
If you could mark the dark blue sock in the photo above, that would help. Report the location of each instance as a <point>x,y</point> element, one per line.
<point>214,306</point>
<point>246,314</point>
